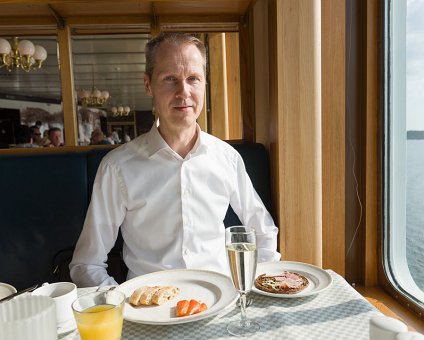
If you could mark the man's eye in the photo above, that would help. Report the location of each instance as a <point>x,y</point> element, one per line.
<point>193,79</point>
<point>170,78</point>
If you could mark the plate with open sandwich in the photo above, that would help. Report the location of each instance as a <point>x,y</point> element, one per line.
<point>153,298</point>
<point>287,279</point>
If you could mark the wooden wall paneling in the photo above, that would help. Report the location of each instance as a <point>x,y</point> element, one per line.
<point>295,98</point>
<point>218,86</point>
<point>233,85</point>
<point>372,143</point>
<point>276,148</point>
<point>333,134</point>
<point>70,124</point>
<point>355,140</point>
<point>202,120</point>
<point>247,76</point>
<point>261,68</point>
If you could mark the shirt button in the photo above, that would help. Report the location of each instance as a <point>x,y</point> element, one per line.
<point>186,251</point>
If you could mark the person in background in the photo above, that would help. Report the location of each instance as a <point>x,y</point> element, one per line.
<point>45,141</point>
<point>168,190</point>
<point>35,135</point>
<point>115,137</point>
<point>98,138</point>
<point>110,139</point>
<point>55,136</point>
<point>23,138</point>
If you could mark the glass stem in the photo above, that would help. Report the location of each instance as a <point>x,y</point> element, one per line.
<point>243,320</point>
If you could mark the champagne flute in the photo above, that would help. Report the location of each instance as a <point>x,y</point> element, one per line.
<point>240,242</point>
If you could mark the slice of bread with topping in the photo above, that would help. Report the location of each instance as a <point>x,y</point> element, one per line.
<point>284,283</point>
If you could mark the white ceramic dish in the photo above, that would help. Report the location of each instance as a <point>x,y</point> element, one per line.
<point>214,289</point>
<point>6,290</point>
<point>319,279</point>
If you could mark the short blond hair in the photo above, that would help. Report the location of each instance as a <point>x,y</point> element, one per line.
<point>175,38</point>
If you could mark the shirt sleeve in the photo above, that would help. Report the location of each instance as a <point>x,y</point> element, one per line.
<point>105,214</point>
<point>248,206</point>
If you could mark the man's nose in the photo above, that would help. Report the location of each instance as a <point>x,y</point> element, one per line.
<point>183,90</point>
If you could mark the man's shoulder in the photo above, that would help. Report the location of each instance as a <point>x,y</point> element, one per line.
<point>135,148</point>
<point>216,144</point>
<point>219,149</point>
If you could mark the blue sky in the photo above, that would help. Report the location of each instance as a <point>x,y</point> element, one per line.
<point>415,65</point>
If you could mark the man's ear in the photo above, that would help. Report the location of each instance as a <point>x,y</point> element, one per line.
<point>147,85</point>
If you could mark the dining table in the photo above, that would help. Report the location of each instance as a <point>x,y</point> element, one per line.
<point>338,312</point>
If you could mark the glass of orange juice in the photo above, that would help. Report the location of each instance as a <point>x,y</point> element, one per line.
<point>99,315</point>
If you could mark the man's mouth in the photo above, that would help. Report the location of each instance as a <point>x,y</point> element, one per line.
<point>182,107</point>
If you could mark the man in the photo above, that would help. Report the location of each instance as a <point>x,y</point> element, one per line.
<point>169,189</point>
<point>98,138</point>
<point>35,135</point>
<point>55,136</point>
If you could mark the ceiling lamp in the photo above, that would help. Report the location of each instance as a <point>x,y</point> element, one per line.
<point>120,110</point>
<point>21,54</point>
<point>94,97</point>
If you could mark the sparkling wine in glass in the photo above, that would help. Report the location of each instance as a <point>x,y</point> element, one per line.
<point>240,243</point>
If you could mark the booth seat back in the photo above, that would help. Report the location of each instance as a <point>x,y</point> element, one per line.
<point>43,201</point>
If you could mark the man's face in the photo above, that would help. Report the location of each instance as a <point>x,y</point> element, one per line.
<point>54,137</point>
<point>36,136</point>
<point>177,85</point>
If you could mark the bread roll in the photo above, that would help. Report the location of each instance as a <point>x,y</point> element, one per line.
<point>165,294</point>
<point>136,295</point>
<point>147,296</point>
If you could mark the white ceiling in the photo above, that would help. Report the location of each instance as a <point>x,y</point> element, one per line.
<point>117,63</point>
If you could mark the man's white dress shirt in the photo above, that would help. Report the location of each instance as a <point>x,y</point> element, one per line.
<point>170,209</point>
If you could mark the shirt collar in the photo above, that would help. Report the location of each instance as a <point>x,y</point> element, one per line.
<point>157,143</point>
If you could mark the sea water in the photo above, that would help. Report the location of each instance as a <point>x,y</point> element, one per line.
<point>415,210</point>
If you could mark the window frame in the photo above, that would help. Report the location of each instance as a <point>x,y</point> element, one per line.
<point>397,278</point>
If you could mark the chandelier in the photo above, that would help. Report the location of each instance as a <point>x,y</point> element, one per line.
<point>93,97</point>
<point>120,110</point>
<point>21,54</point>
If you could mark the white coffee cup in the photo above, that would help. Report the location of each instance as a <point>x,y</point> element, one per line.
<point>385,328</point>
<point>63,294</point>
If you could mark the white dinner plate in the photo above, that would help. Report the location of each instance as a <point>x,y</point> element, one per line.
<point>214,289</point>
<point>319,279</point>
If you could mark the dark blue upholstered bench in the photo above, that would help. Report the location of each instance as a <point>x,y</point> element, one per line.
<point>44,197</point>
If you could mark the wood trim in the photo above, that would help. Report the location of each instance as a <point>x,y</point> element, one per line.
<point>372,144</point>
<point>247,76</point>
<point>218,86</point>
<point>135,20</point>
<point>233,85</point>
<point>333,134</point>
<point>70,124</point>
<point>261,67</point>
<point>202,120</point>
<point>390,307</point>
<point>276,123</point>
<point>295,102</point>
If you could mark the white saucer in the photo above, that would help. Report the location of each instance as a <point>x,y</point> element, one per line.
<point>6,290</point>
<point>66,327</point>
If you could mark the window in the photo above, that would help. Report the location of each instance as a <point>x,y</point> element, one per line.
<point>403,161</point>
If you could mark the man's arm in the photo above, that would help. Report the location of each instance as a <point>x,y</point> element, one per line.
<point>104,216</point>
<point>248,206</point>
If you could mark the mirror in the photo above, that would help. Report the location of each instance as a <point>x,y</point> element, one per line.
<point>108,76</point>
<point>30,96</point>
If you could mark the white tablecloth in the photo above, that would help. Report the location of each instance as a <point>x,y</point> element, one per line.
<point>337,313</point>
